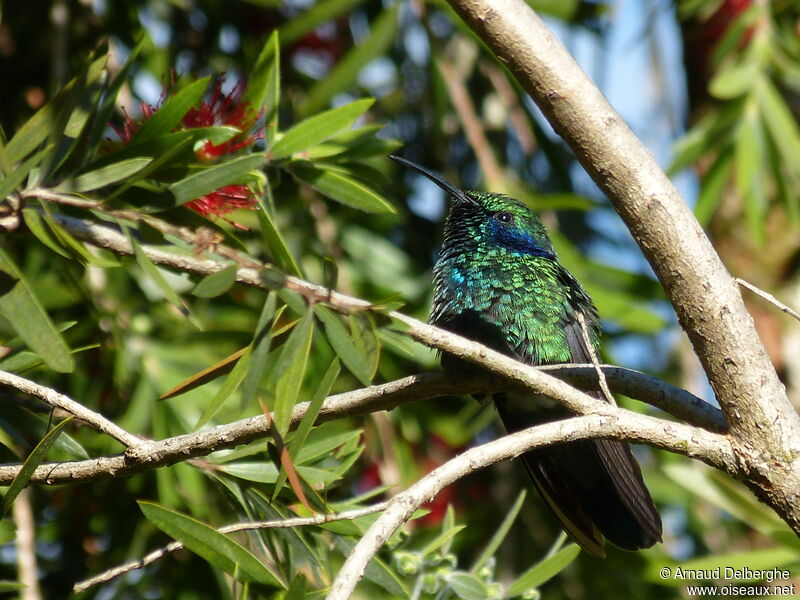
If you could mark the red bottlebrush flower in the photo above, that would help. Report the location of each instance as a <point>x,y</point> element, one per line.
<point>225,109</point>
<point>220,109</point>
<point>224,200</point>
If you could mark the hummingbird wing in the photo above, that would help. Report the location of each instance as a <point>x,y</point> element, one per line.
<point>594,487</point>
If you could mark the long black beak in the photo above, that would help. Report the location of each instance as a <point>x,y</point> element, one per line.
<point>457,194</point>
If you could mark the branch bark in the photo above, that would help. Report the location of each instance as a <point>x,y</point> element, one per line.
<point>147,454</point>
<point>764,426</point>
<point>403,505</point>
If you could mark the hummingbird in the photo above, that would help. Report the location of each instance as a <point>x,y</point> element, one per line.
<point>498,281</point>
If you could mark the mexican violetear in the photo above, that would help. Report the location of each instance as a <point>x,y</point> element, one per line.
<point>497,281</point>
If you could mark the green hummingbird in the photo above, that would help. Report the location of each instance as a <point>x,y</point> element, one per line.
<point>498,281</point>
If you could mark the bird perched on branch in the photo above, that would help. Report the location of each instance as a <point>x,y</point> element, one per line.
<point>498,281</point>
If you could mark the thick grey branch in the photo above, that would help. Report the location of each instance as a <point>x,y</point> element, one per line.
<point>621,425</point>
<point>152,454</point>
<point>764,425</point>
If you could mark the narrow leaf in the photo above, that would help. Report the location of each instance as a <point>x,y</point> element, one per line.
<point>37,226</point>
<point>232,382</point>
<point>40,125</point>
<point>291,368</point>
<point>13,180</point>
<point>25,313</point>
<point>264,91</point>
<point>34,459</point>
<point>217,283</point>
<point>338,186</point>
<point>381,36</point>
<point>466,586</point>
<point>207,542</point>
<point>166,118</point>
<point>153,273</point>
<point>343,344</point>
<point>317,14</point>
<point>105,175</point>
<point>544,570</point>
<point>500,534</point>
<point>276,245</point>
<point>262,340</point>
<point>317,129</point>
<point>212,178</point>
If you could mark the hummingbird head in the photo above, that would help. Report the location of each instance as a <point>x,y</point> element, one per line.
<point>483,220</point>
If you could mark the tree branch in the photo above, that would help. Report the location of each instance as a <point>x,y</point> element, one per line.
<point>764,425</point>
<point>56,400</point>
<point>155,555</point>
<point>620,425</point>
<point>153,454</point>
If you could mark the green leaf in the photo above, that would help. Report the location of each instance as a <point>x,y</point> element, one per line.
<point>749,150</point>
<point>232,381</point>
<point>169,116</point>
<point>25,428</point>
<point>500,534</point>
<point>43,123</point>
<point>153,273</point>
<point>264,88</point>
<point>156,147</point>
<point>99,258</point>
<point>317,13</point>
<point>440,540</point>
<point>310,416</point>
<point>8,531</point>
<point>217,283</point>
<point>25,313</point>
<point>544,571</point>
<point>262,340</point>
<point>713,186</point>
<point>34,459</point>
<point>338,186</point>
<point>343,344</point>
<point>734,81</point>
<point>276,245</point>
<point>317,129</point>
<point>37,226</point>
<point>466,586</point>
<point>207,542</point>
<point>365,337</point>
<point>12,181</point>
<point>209,179</point>
<point>324,440</point>
<point>291,368</point>
<point>354,144</point>
<point>105,175</point>
<point>381,36</point>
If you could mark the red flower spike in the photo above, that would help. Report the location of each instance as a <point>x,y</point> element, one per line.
<point>220,109</point>
<point>225,109</point>
<point>223,201</point>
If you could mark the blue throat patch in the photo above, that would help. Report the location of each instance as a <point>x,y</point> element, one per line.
<point>517,241</point>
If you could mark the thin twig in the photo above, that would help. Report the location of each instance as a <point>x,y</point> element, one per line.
<point>402,506</point>
<point>768,297</point>
<point>601,377</point>
<point>26,546</point>
<point>153,556</point>
<point>57,400</point>
<point>473,129</point>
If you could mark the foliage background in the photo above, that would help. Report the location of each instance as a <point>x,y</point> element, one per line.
<point>451,106</point>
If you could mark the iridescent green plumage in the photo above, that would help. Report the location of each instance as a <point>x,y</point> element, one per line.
<point>497,280</point>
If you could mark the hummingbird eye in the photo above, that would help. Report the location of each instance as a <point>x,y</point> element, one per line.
<point>503,216</point>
